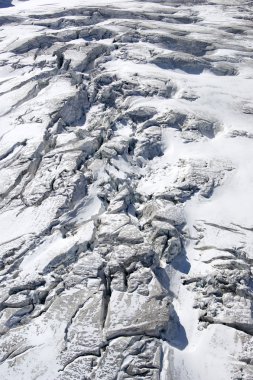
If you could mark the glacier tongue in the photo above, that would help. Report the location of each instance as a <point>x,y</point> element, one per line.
<point>126,242</point>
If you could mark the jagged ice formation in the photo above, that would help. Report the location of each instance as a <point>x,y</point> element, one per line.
<point>126,242</point>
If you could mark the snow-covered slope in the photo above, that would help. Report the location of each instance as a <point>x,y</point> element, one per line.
<point>126,150</point>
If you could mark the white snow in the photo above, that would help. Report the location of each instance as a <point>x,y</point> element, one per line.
<point>210,352</point>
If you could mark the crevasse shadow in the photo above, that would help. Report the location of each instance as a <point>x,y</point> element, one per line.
<point>6,3</point>
<point>181,263</point>
<point>175,333</point>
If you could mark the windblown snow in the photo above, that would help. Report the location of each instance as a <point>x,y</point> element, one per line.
<point>126,190</point>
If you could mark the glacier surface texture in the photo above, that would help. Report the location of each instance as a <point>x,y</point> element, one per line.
<point>126,190</point>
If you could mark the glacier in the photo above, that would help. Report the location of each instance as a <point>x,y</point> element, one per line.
<point>126,150</point>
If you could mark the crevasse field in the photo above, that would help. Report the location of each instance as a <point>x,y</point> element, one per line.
<point>126,190</point>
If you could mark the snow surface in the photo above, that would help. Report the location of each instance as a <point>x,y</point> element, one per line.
<point>212,351</point>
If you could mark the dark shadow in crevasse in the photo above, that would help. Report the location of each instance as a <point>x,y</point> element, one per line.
<point>181,263</point>
<point>6,3</point>
<point>175,334</point>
